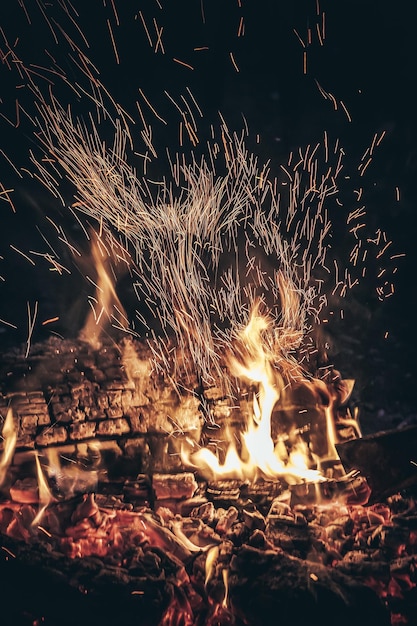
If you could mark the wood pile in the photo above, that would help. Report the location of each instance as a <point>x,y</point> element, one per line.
<point>65,393</point>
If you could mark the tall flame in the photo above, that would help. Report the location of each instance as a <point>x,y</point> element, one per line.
<point>105,299</point>
<point>259,454</point>
<point>9,443</point>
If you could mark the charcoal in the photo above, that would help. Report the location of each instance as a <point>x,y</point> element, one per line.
<point>197,502</point>
<point>405,520</point>
<point>262,492</point>
<point>174,486</point>
<point>46,586</point>
<point>254,520</point>
<point>405,566</point>
<point>288,534</point>
<point>138,490</point>
<point>364,569</point>
<point>385,459</point>
<point>266,585</point>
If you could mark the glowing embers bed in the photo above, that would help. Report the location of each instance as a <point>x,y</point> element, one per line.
<point>107,515</point>
<point>237,558</point>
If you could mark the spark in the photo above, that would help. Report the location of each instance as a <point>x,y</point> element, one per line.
<point>11,163</point>
<point>241,27</point>
<point>159,32</point>
<point>181,232</point>
<point>7,323</point>
<point>190,67</point>
<point>346,111</point>
<point>50,320</point>
<point>116,16</point>
<point>151,107</point>
<point>384,132</point>
<point>195,102</point>
<point>25,256</point>
<point>299,38</point>
<point>362,169</point>
<point>5,192</point>
<point>42,529</point>
<point>319,34</point>
<point>9,552</point>
<point>31,325</point>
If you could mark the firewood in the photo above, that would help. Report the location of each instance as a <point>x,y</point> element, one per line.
<point>387,460</point>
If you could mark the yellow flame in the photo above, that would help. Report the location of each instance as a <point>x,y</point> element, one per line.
<point>260,455</point>
<point>106,297</point>
<point>45,496</point>
<point>9,435</point>
<point>137,370</point>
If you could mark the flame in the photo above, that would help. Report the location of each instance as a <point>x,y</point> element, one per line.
<point>225,576</point>
<point>253,362</point>
<point>9,435</point>
<point>179,611</point>
<point>45,496</point>
<point>105,299</point>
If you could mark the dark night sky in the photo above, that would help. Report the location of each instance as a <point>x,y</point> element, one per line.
<point>368,61</point>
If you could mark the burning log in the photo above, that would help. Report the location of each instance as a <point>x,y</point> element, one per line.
<point>40,585</point>
<point>388,460</point>
<point>67,393</point>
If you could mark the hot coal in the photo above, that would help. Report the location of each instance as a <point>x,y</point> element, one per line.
<point>309,563</point>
